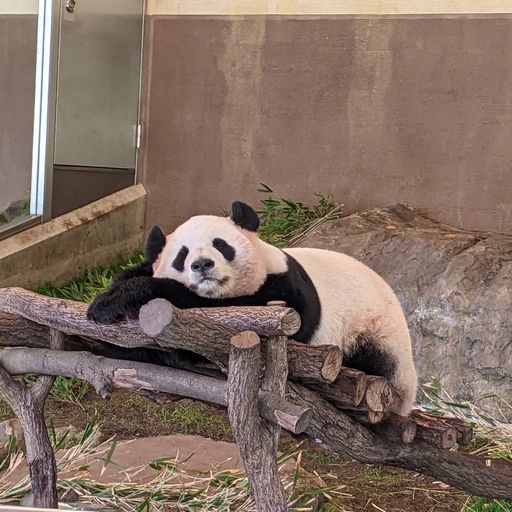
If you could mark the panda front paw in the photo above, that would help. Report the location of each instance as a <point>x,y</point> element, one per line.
<point>110,309</point>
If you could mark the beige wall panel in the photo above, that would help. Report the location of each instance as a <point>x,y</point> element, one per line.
<point>375,111</point>
<point>19,6</point>
<point>327,6</point>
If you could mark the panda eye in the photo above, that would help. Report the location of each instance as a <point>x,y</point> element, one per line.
<point>179,261</point>
<point>224,248</point>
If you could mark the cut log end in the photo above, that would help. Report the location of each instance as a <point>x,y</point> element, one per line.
<point>294,418</point>
<point>290,323</point>
<point>332,364</point>
<point>379,395</point>
<point>303,421</point>
<point>155,316</point>
<point>245,340</point>
<point>448,439</point>
<point>443,439</point>
<point>464,436</point>
<point>398,428</point>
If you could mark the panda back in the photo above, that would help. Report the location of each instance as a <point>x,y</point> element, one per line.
<point>353,298</point>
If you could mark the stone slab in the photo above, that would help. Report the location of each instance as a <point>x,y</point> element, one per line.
<point>56,251</point>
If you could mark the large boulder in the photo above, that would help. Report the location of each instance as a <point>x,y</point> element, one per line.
<point>454,285</point>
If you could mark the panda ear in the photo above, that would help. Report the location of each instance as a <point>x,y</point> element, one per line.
<point>155,244</point>
<point>244,216</point>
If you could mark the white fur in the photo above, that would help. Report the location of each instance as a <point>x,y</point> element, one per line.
<point>353,298</point>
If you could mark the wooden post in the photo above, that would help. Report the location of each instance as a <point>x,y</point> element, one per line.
<point>256,438</point>
<point>28,405</point>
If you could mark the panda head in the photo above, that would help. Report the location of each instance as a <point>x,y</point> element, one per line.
<point>216,257</point>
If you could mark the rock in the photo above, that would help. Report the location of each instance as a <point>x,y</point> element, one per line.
<point>454,285</point>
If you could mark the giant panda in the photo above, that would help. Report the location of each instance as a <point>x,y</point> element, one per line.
<point>220,261</point>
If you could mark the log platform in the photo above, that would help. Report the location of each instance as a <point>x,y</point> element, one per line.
<point>272,382</point>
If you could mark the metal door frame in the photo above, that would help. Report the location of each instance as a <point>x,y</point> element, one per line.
<point>48,38</point>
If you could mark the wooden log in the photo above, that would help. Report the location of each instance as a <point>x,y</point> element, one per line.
<point>443,438</point>
<point>287,415</point>
<point>356,391</point>
<point>320,363</point>
<point>265,320</point>
<point>181,328</point>
<point>435,432</point>
<point>479,476</point>
<point>16,331</point>
<point>378,396</point>
<point>257,445</point>
<point>397,428</point>
<point>107,374</point>
<point>347,391</point>
<point>323,361</point>
<point>464,431</point>
<point>212,342</point>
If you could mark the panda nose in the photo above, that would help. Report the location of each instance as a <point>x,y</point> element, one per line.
<point>202,265</point>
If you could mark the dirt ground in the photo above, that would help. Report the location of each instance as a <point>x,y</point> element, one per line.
<point>372,488</point>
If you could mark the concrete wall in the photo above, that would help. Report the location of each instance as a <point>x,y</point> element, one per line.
<point>18,41</point>
<point>374,109</point>
<point>96,234</point>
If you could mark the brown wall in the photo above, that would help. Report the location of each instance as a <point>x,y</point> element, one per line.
<point>378,110</point>
<point>18,40</point>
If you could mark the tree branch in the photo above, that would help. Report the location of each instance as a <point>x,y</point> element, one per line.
<point>107,374</point>
<point>477,475</point>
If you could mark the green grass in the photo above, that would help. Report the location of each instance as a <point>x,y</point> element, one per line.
<point>194,417</point>
<point>188,417</point>
<point>486,505</point>
<point>285,223</point>
<point>86,287</point>
<point>6,412</point>
<point>382,475</point>
<point>323,458</point>
<point>70,390</point>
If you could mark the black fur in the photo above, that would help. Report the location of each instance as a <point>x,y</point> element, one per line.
<point>170,357</point>
<point>179,261</point>
<point>369,358</point>
<point>154,244</point>
<point>127,295</point>
<point>224,248</point>
<point>244,216</point>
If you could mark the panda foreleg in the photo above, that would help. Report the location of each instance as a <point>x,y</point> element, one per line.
<point>126,296</point>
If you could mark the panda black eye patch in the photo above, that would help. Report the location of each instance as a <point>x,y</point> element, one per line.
<point>224,248</point>
<point>179,261</point>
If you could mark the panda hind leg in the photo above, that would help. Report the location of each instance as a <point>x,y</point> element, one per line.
<point>386,356</point>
